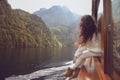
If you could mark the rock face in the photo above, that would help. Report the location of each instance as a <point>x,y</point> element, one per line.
<point>21,29</point>
<point>62,22</point>
<point>116,19</point>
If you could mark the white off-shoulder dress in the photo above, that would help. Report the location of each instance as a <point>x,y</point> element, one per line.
<point>91,49</point>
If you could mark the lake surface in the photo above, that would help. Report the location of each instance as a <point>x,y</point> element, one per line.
<point>23,61</point>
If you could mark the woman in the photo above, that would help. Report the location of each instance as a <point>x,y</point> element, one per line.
<point>88,45</point>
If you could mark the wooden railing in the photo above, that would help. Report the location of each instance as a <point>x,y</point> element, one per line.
<point>98,73</point>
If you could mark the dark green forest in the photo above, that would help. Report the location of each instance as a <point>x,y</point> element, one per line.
<point>22,29</point>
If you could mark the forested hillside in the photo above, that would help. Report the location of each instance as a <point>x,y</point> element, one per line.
<point>21,29</point>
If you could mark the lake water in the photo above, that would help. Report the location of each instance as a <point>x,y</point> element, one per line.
<point>22,61</point>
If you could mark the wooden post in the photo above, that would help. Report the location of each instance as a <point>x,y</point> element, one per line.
<point>95,5</point>
<point>108,24</point>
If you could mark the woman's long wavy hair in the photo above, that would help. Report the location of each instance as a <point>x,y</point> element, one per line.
<point>88,28</point>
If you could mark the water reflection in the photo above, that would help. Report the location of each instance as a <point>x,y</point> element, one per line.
<point>26,60</point>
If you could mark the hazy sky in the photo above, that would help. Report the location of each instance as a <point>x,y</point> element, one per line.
<point>78,6</point>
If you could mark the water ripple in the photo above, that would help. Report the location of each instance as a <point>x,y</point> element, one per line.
<point>44,74</point>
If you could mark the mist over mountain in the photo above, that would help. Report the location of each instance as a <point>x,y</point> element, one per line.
<point>21,29</point>
<point>62,22</point>
<point>57,15</point>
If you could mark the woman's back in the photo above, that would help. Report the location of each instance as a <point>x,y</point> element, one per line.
<point>95,44</point>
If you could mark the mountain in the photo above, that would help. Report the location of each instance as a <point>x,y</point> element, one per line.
<point>62,22</point>
<point>57,15</point>
<point>21,29</point>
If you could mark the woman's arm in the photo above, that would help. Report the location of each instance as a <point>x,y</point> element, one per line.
<point>79,50</point>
